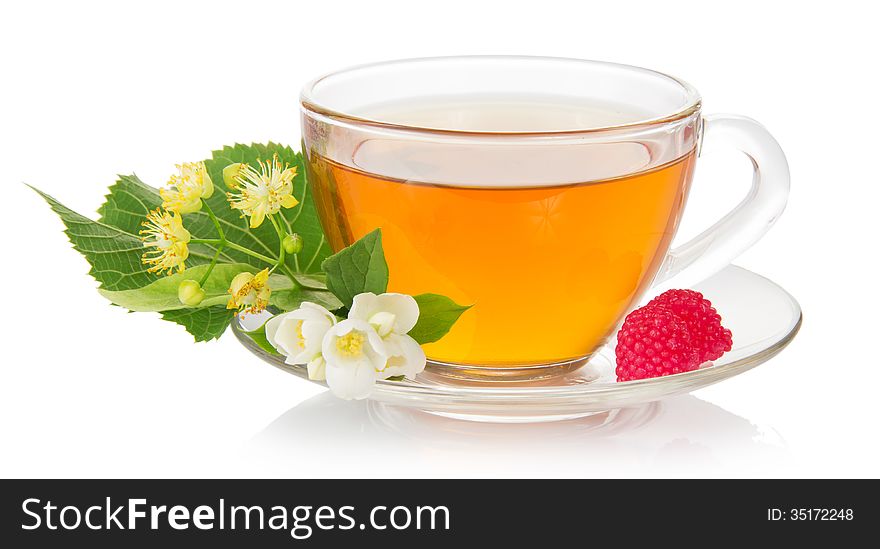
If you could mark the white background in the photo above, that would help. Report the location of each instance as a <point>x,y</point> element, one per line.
<point>90,90</point>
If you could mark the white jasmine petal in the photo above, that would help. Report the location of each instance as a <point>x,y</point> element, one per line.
<point>363,306</point>
<point>355,354</point>
<point>314,332</point>
<point>271,328</point>
<point>383,323</point>
<point>403,307</point>
<point>317,369</point>
<point>298,334</point>
<point>406,357</point>
<point>351,381</point>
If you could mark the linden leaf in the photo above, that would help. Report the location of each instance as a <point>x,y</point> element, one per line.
<point>128,203</point>
<point>301,219</point>
<point>204,324</point>
<point>113,248</point>
<point>114,254</point>
<point>161,294</point>
<point>130,200</point>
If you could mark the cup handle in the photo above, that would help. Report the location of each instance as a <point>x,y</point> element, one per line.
<point>734,233</point>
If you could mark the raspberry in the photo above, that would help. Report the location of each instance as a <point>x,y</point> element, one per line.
<point>708,336</point>
<point>654,342</point>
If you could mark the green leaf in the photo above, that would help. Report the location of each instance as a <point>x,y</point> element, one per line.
<point>128,203</point>
<point>113,248</point>
<point>204,324</point>
<point>358,268</point>
<point>161,294</point>
<point>301,219</point>
<point>288,300</point>
<point>395,378</point>
<point>114,254</point>
<point>259,337</point>
<point>437,314</point>
<point>316,281</point>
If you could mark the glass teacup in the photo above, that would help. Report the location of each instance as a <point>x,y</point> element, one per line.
<point>545,192</point>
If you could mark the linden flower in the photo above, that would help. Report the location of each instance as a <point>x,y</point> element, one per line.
<point>354,355</point>
<point>230,174</point>
<point>392,316</point>
<point>165,235</point>
<point>187,189</point>
<point>258,194</point>
<point>250,292</point>
<point>298,336</point>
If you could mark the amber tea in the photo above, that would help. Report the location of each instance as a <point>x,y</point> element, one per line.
<point>550,262</point>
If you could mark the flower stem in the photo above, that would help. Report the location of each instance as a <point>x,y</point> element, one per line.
<point>221,242</point>
<point>242,249</point>
<point>211,266</point>
<point>280,233</point>
<point>279,228</point>
<point>213,217</point>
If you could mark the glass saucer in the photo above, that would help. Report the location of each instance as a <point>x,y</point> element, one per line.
<point>763,317</point>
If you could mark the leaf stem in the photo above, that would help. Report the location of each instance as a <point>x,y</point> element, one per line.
<point>210,241</point>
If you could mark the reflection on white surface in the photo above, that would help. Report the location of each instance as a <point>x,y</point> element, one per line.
<point>677,437</point>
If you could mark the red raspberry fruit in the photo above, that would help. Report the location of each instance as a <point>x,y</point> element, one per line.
<point>654,342</point>
<point>708,336</point>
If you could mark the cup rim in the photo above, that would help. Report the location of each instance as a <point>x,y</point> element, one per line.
<point>692,104</point>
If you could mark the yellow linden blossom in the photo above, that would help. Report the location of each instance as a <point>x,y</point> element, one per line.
<point>230,175</point>
<point>168,242</point>
<point>187,189</point>
<point>250,292</point>
<point>258,194</point>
